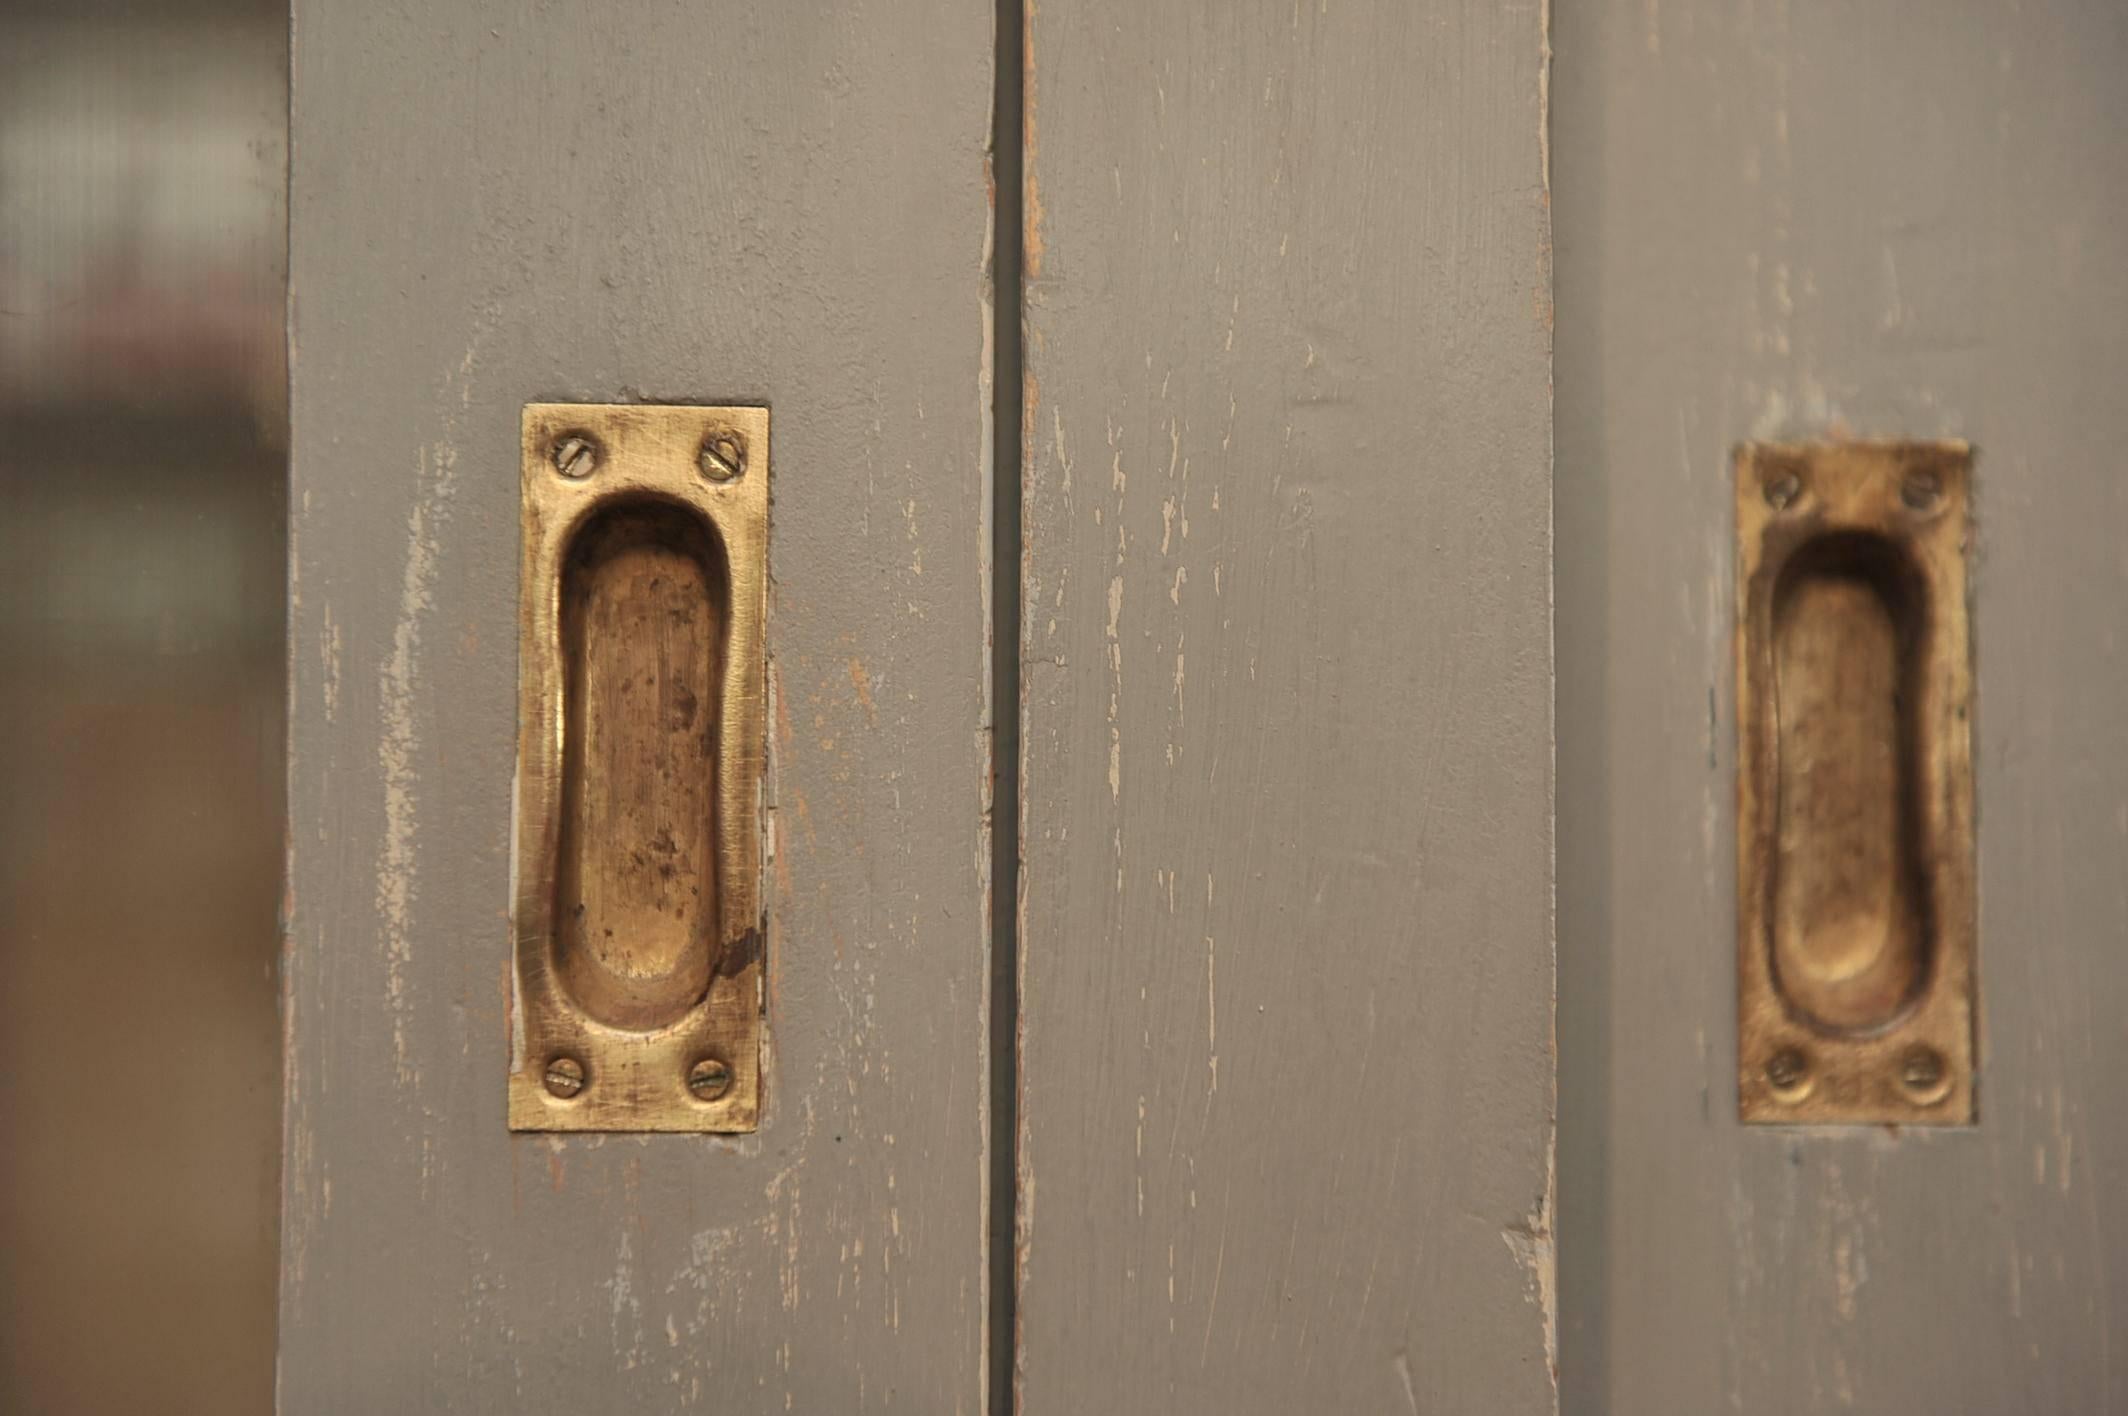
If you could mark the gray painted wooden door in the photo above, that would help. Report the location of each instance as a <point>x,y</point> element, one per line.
<point>1286,1018</point>
<point>1283,1119</point>
<point>1792,221</point>
<point>494,205</point>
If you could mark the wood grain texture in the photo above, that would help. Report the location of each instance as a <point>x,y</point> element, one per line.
<point>1287,990</point>
<point>753,204</point>
<point>1780,221</point>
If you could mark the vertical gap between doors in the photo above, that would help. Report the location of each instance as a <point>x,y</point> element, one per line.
<point>1005,144</point>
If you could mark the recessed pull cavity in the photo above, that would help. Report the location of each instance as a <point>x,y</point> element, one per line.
<point>644,603</point>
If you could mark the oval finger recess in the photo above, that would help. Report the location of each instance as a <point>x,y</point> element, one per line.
<point>644,607</point>
<point>641,682</point>
<point>1854,784</point>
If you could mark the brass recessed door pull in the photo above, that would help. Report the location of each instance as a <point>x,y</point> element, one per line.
<point>1855,896</point>
<point>641,686</point>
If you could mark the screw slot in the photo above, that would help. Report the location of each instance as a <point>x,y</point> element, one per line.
<point>723,455</point>
<point>1923,1073</point>
<point>576,455</point>
<point>1788,1073</point>
<point>710,1078</point>
<point>1780,492</point>
<point>565,1077</point>
<point>1921,490</point>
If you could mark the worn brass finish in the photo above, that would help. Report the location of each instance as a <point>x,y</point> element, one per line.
<point>641,720</point>
<point>1855,891</point>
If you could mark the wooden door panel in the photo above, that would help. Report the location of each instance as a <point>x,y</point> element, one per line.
<point>1286,1066</point>
<point>1791,222</point>
<point>495,205</point>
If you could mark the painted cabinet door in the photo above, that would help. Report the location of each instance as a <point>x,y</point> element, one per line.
<point>1259,491</point>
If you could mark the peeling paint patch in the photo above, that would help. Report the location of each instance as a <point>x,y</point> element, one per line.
<point>1530,1240</point>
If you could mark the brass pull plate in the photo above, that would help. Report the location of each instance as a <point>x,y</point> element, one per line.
<point>641,718</point>
<point>1855,894</point>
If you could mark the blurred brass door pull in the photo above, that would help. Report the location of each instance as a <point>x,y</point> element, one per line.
<point>637,918</point>
<point>1855,897</point>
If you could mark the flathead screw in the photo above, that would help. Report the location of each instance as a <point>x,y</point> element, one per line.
<point>1782,490</point>
<point>723,456</point>
<point>1920,491</point>
<point>1921,1070</point>
<point>1786,1069</point>
<point>709,1079</point>
<point>575,456</point>
<point>565,1077</point>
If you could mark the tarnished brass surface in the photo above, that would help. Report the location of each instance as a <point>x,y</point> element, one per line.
<point>1855,895</point>
<point>641,720</point>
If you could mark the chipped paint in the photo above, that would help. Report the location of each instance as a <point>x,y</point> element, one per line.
<point>399,743</point>
<point>861,681</point>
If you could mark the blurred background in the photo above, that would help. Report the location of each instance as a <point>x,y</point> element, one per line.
<point>142,410</point>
